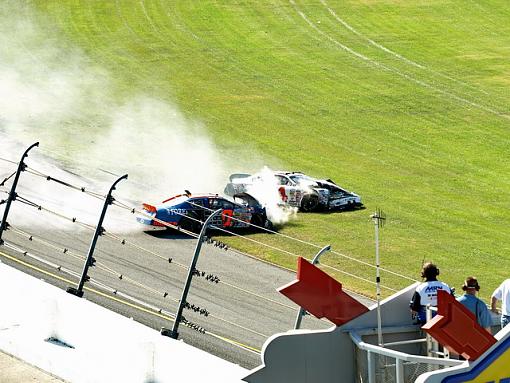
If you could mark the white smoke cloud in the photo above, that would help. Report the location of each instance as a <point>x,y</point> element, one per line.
<point>158,146</point>
<point>53,95</point>
<point>265,189</point>
<point>45,91</point>
<point>57,201</point>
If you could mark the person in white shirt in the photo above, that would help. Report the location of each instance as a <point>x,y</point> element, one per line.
<point>426,292</point>
<point>502,293</point>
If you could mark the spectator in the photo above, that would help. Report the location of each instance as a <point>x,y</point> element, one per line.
<point>502,293</point>
<point>474,304</point>
<point>426,292</point>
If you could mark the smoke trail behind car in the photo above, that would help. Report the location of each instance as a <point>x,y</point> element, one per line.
<point>51,93</point>
<point>265,190</point>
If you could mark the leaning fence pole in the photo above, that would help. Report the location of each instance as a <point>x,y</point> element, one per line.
<point>182,302</point>
<point>99,229</point>
<point>12,193</point>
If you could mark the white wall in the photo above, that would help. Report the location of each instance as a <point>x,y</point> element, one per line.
<point>107,347</point>
<point>326,356</point>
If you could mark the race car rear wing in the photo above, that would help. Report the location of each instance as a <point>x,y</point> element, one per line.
<point>238,175</point>
<point>248,198</point>
<point>149,208</point>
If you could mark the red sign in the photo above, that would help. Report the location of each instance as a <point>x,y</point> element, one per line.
<point>456,328</point>
<point>321,295</point>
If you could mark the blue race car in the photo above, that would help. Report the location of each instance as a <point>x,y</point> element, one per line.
<point>187,212</point>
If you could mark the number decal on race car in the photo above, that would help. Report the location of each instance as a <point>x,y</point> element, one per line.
<point>226,217</point>
<point>283,195</point>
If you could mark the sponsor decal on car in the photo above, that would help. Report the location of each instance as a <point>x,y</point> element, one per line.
<point>177,211</point>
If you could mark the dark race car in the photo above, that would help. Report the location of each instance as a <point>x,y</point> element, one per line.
<point>187,211</point>
<point>299,190</point>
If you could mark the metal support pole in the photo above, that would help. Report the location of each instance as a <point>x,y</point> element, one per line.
<point>182,302</point>
<point>302,311</point>
<point>89,261</point>
<point>399,370</point>
<point>430,341</point>
<point>12,194</point>
<point>432,344</point>
<point>371,366</point>
<point>377,217</point>
<point>378,291</point>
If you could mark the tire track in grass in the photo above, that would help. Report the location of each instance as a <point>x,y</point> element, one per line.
<point>211,54</point>
<point>358,153</point>
<point>417,156</point>
<point>488,15</point>
<point>239,66</point>
<point>139,40</point>
<point>93,33</point>
<point>102,35</point>
<point>374,142</point>
<point>144,41</point>
<point>395,54</point>
<point>444,152</point>
<point>160,33</point>
<point>218,51</point>
<point>242,72</point>
<point>146,15</point>
<point>192,33</point>
<point>374,63</point>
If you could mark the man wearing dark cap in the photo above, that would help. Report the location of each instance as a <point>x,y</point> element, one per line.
<point>426,292</point>
<point>474,304</point>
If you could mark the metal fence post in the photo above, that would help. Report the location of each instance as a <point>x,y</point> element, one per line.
<point>399,370</point>
<point>430,341</point>
<point>378,218</point>
<point>174,333</point>
<point>12,193</point>
<point>302,311</point>
<point>89,261</point>
<point>371,366</point>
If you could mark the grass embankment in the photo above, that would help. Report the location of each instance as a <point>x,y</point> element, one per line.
<point>417,125</point>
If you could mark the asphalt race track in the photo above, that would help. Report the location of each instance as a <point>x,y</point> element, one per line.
<point>233,303</point>
<point>243,309</point>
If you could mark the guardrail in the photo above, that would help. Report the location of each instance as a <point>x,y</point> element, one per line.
<point>395,372</point>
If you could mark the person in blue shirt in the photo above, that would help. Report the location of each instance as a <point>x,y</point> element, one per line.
<point>474,304</point>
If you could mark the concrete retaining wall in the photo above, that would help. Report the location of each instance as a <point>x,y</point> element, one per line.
<point>107,347</point>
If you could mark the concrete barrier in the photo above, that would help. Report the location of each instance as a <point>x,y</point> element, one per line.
<point>79,341</point>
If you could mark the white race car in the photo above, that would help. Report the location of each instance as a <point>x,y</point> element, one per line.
<point>299,190</point>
